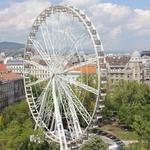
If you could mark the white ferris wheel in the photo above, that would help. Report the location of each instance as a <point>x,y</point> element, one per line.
<point>62,74</point>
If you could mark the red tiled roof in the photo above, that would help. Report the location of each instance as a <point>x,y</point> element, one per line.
<point>3,68</point>
<point>86,69</point>
<point>8,76</point>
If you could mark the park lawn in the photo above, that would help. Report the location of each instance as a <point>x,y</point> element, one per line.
<point>120,133</point>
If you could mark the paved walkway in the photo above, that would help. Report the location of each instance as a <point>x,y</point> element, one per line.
<point>113,142</point>
<point>127,143</point>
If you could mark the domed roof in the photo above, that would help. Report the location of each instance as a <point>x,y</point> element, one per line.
<point>135,54</point>
<point>135,57</point>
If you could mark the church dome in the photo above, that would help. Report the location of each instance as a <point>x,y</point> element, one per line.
<point>135,54</point>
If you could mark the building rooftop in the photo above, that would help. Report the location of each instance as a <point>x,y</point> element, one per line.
<point>135,54</point>
<point>15,62</point>
<point>9,76</point>
<point>117,60</point>
<point>145,53</point>
<point>3,68</point>
<point>86,69</point>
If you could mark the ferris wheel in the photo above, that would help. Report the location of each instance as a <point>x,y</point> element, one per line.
<point>62,74</point>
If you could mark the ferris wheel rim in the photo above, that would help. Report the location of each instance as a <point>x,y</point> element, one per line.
<point>97,58</point>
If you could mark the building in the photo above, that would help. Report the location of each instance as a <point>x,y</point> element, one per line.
<point>145,53</point>
<point>3,68</point>
<point>2,57</point>
<point>135,65</point>
<point>14,65</point>
<point>124,67</point>
<point>114,67</point>
<point>11,87</point>
<point>117,68</point>
<point>17,66</point>
<point>146,72</point>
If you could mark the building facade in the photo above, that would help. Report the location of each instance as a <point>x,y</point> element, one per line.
<point>126,67</point>
<point>146,72</point>
<point>17,66</point>
<point>11,88</point>
<point>116,67</point>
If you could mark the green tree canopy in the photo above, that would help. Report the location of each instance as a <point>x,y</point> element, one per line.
<point>94,143</point>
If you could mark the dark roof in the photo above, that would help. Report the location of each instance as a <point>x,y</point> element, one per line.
<point>117,60</point>
<point>15,62</point>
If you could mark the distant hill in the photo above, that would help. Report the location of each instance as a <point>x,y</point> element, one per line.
<point>11,45</point>
<point>11,48</point>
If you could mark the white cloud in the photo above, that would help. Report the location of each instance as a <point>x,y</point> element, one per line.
<point>140,20</point>
<point>20,16</point>
<point>116,32</point>
<point>80,3</point>
<point>111,12</point>
<point>115,23</point>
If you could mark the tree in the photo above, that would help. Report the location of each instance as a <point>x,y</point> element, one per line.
<point>94,143</point>
<point>16,126</point>
<point>1,121</point>
<point>36,89</point>
<point>126,94</point>
<point>130,104</point>
<point>142,128</point>
<point>87,98</point>
<point>44,145</point>
<point>127,113</point>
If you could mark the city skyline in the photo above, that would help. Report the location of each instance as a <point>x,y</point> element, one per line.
<point>121,25</point>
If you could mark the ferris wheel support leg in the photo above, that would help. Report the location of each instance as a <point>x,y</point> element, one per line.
<point>82,110</point>
<point>59,124</point>
<point>66,112</point>
<point>73,111</point>
<point>40,115</point>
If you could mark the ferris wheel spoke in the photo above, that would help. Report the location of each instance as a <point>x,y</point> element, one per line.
<point>74,45</point>
<point>43,103</point>
<point>49,39</point>
<point>79,106</point>
<point>79,84</point>
<point>76,124</point>
<point>48,113</point>
<point>51,62</point>
<point>52,123</point>
<point>77,41</point>
<point>37,65</point>
<point>45,38</point>
<point>58,35</point>
<point>66,111</point>
<point>59,124</point>
<point>37,82</point>
<point>39,48</point>
<point>42,53</point>
<point>72,48</point>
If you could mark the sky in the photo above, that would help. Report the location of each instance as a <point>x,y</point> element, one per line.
<point>123,25</point>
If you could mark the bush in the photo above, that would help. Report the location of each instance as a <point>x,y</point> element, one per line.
<point>94,143</point>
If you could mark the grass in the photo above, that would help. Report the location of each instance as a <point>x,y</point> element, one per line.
<point>120,133</point>
<point>135,147</point>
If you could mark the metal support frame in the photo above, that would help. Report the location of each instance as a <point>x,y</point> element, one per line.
<point>62,97</point>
